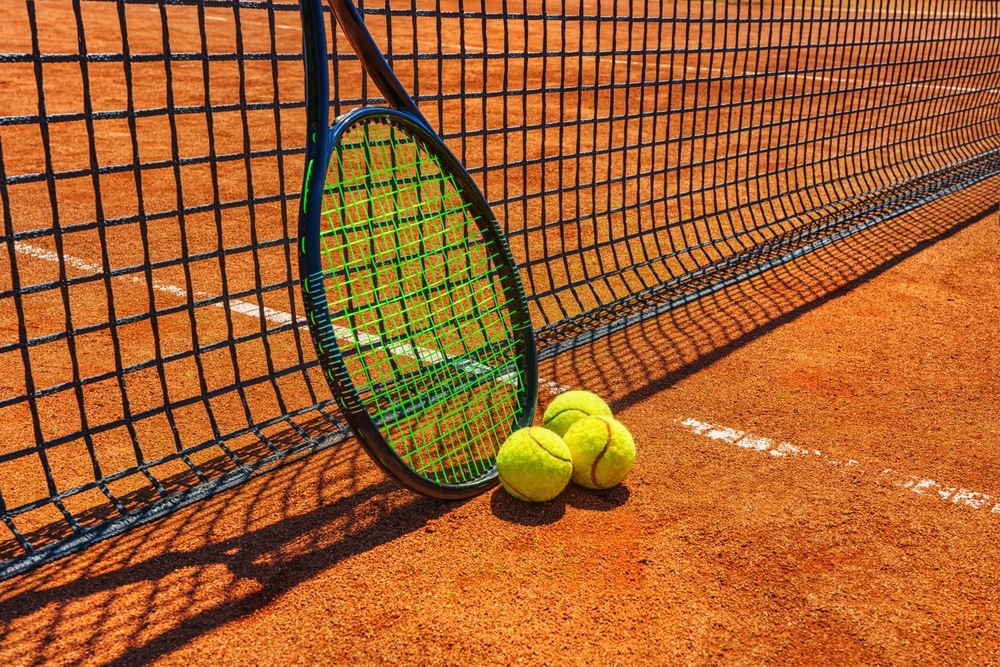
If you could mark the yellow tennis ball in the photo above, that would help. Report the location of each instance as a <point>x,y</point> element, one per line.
<point>534,464</point>
<point>571,406</point>
<point>603,451</point>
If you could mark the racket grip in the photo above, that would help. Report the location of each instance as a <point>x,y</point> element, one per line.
<point>371,58</point>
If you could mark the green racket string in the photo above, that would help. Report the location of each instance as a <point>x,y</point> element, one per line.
<point>417,306</point>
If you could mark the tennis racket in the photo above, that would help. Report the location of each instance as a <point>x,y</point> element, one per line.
<point>414,302</point>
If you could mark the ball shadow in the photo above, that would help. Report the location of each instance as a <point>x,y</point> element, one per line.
<point>600,500</point>
<point>512,510</point>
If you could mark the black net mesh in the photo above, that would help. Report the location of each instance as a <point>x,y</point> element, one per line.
<point>639,155</point>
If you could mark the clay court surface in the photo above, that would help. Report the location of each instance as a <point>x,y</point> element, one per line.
<point>816,479</point>
<point>871,366</point>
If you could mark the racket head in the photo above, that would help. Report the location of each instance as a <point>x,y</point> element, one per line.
<point>415,305</point>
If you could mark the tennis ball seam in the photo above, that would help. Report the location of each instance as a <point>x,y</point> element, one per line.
<point>597,459</point>
<point>546,449</point>
<point>511,487</point>
<point>559,414</point>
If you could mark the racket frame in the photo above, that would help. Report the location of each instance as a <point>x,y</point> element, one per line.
<point>321,142</point>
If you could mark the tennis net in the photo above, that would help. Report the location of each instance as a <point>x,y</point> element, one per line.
<point>638,155</point>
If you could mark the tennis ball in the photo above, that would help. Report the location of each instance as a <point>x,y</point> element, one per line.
<point>570,406</point>
<point>603,451</point>
<point>534,464</point>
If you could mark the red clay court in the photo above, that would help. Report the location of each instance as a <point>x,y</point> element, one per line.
<point>767,234</point>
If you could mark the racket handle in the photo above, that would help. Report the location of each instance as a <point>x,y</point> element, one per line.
<point>371,58</point>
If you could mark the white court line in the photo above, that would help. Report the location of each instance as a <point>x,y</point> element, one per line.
<point>667,64</point>
<point>867,12</point>
<point>278,317</point>
<point>877,13</point>
<point>236,305</point>
<point>975,500</point>
<point>638,62</point>
<point>879,84</point>
<point>244,20</point>
<point>830,79</point>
